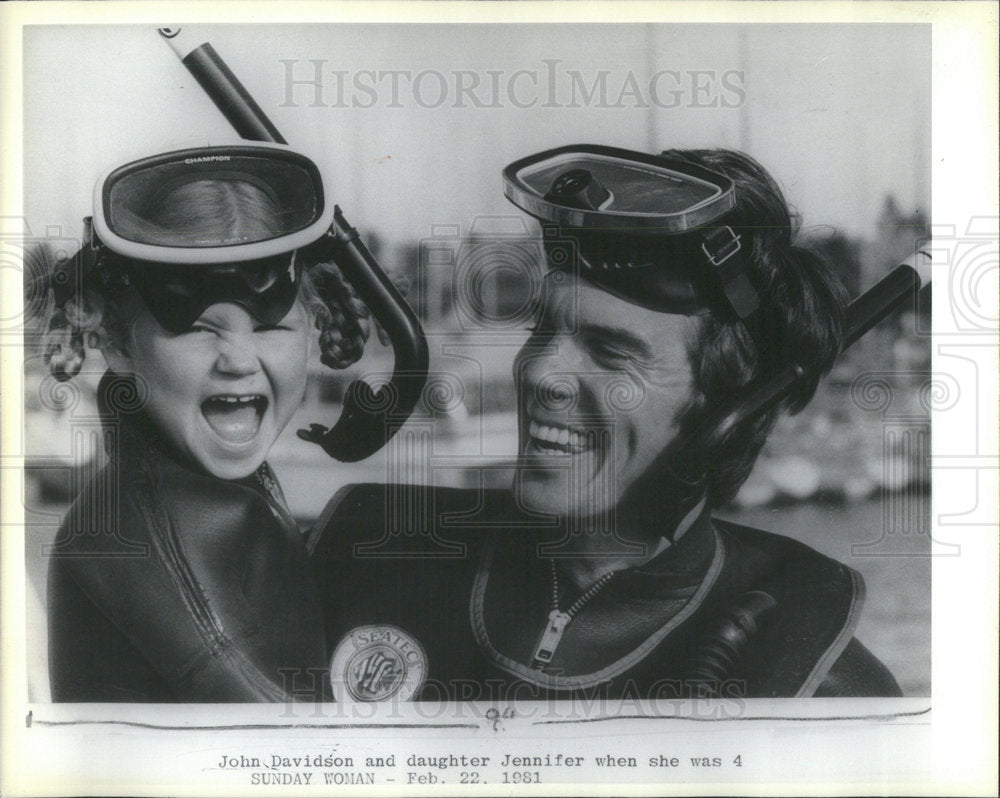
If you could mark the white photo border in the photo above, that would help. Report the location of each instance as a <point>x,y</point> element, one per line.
<point>945,745</point>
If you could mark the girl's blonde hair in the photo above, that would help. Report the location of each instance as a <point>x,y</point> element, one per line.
<point>101,315</point>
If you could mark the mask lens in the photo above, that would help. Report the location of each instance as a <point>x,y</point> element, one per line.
<point>186,199</point>
<point>595,187</point>
<point>631,188</point>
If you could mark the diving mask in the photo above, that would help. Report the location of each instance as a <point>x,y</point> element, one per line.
<point>650,229</point>
<point>150,230</point>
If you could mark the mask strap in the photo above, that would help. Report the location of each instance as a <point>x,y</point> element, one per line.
<point>723,250</point>
<point>69,275</point>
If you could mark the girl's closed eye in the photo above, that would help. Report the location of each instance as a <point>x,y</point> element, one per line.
<point>198,328</point>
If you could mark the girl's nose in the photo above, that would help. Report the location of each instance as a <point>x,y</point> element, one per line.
<point>238,355</point>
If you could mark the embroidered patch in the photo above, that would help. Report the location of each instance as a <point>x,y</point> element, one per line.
<point>376,663</point>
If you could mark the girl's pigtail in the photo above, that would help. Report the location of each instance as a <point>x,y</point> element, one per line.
<point>63,352</point>
<point>78,324</point>
<point>344,321</point>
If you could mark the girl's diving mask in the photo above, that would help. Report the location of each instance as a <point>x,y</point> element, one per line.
<point>198,226</point>
<point>650,229</point>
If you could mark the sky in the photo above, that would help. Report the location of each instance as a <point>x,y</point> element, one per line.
<point>416,122</point>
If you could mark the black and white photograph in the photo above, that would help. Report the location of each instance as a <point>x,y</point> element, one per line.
<point>531,399</point>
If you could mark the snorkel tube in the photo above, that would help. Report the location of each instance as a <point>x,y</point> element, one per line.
<point>889,294</point>
<point>683,463</point>
<point>369,418</point>
<point>675,484</point>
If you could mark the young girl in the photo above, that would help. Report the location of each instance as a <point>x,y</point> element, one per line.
<point>179,573</point>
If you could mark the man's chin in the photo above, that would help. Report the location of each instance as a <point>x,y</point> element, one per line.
<point>550,495</point>
<point>539,495</point>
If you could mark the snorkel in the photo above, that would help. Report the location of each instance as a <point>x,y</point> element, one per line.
<point>369,418</point>
<point>134,240</point>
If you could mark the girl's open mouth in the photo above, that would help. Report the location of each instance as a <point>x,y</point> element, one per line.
<point>234,418</point>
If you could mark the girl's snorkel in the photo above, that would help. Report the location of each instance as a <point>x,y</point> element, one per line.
<point>369,418</point>
<point>201,278</point>
<point>260,272</point>
<point>179,572</point>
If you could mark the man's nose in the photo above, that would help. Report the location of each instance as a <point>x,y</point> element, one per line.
<point>237,354</point>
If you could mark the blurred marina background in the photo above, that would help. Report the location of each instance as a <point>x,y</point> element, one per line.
<point>838,114</point>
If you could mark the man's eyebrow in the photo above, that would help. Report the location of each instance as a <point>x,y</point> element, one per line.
<point>620,337</point>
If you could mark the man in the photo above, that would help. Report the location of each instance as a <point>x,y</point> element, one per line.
<point>674,290</point>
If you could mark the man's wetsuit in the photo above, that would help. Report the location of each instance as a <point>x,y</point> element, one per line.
<point>727,610</point>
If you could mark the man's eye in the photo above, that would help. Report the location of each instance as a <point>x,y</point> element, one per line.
<point>263,328</point>
<point>611,354</point>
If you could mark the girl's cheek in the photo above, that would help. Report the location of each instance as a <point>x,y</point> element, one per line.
<point>312,344</point>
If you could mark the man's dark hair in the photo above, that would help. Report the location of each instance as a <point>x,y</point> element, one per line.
<point>801,320</point>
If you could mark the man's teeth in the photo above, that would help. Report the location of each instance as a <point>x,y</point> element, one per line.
<point>560,438</point>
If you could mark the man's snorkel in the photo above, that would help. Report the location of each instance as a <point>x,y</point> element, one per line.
<point>369,418</point>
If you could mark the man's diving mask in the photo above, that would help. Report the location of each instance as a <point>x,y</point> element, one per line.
<point>647,228</point>
<point>153,228</point>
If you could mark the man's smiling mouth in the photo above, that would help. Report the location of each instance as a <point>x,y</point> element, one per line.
<point>556,439</point>
<point>234,417</point>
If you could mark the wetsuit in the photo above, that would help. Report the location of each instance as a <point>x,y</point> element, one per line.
<point>169,584</point>
<point>458,576</point>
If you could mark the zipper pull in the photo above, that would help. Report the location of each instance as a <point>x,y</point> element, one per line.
<point>549,641</point>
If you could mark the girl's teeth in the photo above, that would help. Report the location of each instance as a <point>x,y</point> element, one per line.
<point>235,419</point>
<point>563,437</point>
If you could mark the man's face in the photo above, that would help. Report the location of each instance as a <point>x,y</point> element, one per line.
<point>600,384</point>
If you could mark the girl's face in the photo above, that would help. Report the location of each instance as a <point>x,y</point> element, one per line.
<point>224,390</point>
